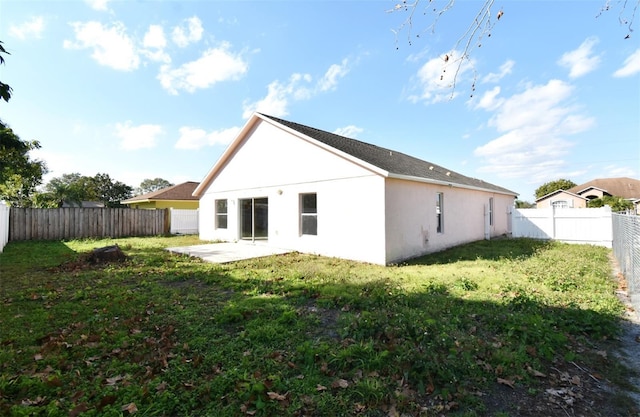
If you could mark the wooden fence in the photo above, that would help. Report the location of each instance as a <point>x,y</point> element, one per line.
<point>572,225</point>
<point>78,223</point>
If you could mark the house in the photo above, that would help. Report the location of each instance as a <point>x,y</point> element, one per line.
<point>562,199</point>
<point>178,196</point>
<point>300,188</point>
<point>579,196</point>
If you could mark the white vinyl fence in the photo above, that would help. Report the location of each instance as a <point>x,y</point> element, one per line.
<point>572,225</point>
<point>184,222</point>
<point>4,224</point>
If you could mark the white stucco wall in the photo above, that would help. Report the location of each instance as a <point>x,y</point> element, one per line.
<point>412,223</point>
<point>276,165</point>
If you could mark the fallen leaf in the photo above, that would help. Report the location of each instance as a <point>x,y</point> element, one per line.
<point>275,396</point>
<point>114,380</point>
<point>576,380</point>
<point>535,372</point>
<point>130,408</point>
<point>78,409</point>
<point>340,383</point>
<point>506,382</point>
<point>37,357</point>
<point>320,387</point>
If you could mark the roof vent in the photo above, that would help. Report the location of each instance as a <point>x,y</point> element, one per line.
<point>448,173</point>
<point>431,168</point>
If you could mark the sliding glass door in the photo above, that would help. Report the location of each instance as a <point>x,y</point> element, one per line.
<point>254,218</point>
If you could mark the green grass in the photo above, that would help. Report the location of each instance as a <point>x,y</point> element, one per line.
<point>166,335</point>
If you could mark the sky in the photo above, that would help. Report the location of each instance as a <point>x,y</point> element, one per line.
<point>150,88</point>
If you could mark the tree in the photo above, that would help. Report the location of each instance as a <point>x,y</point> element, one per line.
<point>5,90</point>
<point>616,203</point>
<point>480,27</point>
<point>19,174</point>
<point>552,186</point>
<point>151,185</point>
<point>75,188</point>
<point>524,204</point>
<point>110,192</point>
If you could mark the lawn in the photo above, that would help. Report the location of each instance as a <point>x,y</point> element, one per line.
<point>487,328</point>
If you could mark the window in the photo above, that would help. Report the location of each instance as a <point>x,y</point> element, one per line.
<point>440,212</point>
<point>308,214</point>
<point>491,211</point>
<point>221,214</point>
<point>559,204</point>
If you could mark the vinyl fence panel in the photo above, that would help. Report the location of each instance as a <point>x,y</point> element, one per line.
<point>571,225</point>
<point>4,224</point>
<point>184,222</point>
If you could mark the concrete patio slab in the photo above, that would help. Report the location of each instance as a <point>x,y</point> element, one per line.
<point>228,252</point>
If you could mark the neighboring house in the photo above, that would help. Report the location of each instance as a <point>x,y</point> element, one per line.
<point>178,196</point>
<point>562,199</point>
<point>579,196</point>
<point>304,189</point>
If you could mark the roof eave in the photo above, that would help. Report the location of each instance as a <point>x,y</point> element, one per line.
<point>226,155</point>
<point>450,184</point>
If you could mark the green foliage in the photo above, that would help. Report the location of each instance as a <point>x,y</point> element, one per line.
<point>5,89</point>
<point>552,186</point>
<point>616,203</point>
<point>75,188</point>
<point>524,204</point>
<point>150,185</point>
<point>295,334</point>
<point>19,174</point>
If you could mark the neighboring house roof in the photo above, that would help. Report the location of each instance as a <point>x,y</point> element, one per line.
<point>620,187</point>
<point>177,192</point>
<point>393,164</point>
<point>551,194</point>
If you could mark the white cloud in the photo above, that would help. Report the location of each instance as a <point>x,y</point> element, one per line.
<point>581,61</point>
<point>505,69</point>
<point>276,101</point>
<point>350,131</point>
<point>154,43</point>
<point>631,65</point>
<point>100,5</point>
<point>533,126</point>
<point>333,74</point>
<point>489,100</point>
<point>137,137</point>
<point>189,32</point>
<point>213,66</point>
<point>299,87</point>
<point>194,138</point>
<point>111,46</point>
<point>31,28</point>
<point>436,78</point>
<point>154,38</point>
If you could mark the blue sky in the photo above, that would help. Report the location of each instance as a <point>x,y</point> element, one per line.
<point>145,89</point>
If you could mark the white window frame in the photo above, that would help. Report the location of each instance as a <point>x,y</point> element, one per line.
<point>220,214</point>
<point>440,212</point>
<point>307,213</point>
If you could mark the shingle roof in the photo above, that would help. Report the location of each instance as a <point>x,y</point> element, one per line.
<point>389,160</point>
<point>620,187</point>
<point>182,191</point>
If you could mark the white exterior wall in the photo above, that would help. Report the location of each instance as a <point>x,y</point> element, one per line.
<point>412,222</point>
<point>274,164</point>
